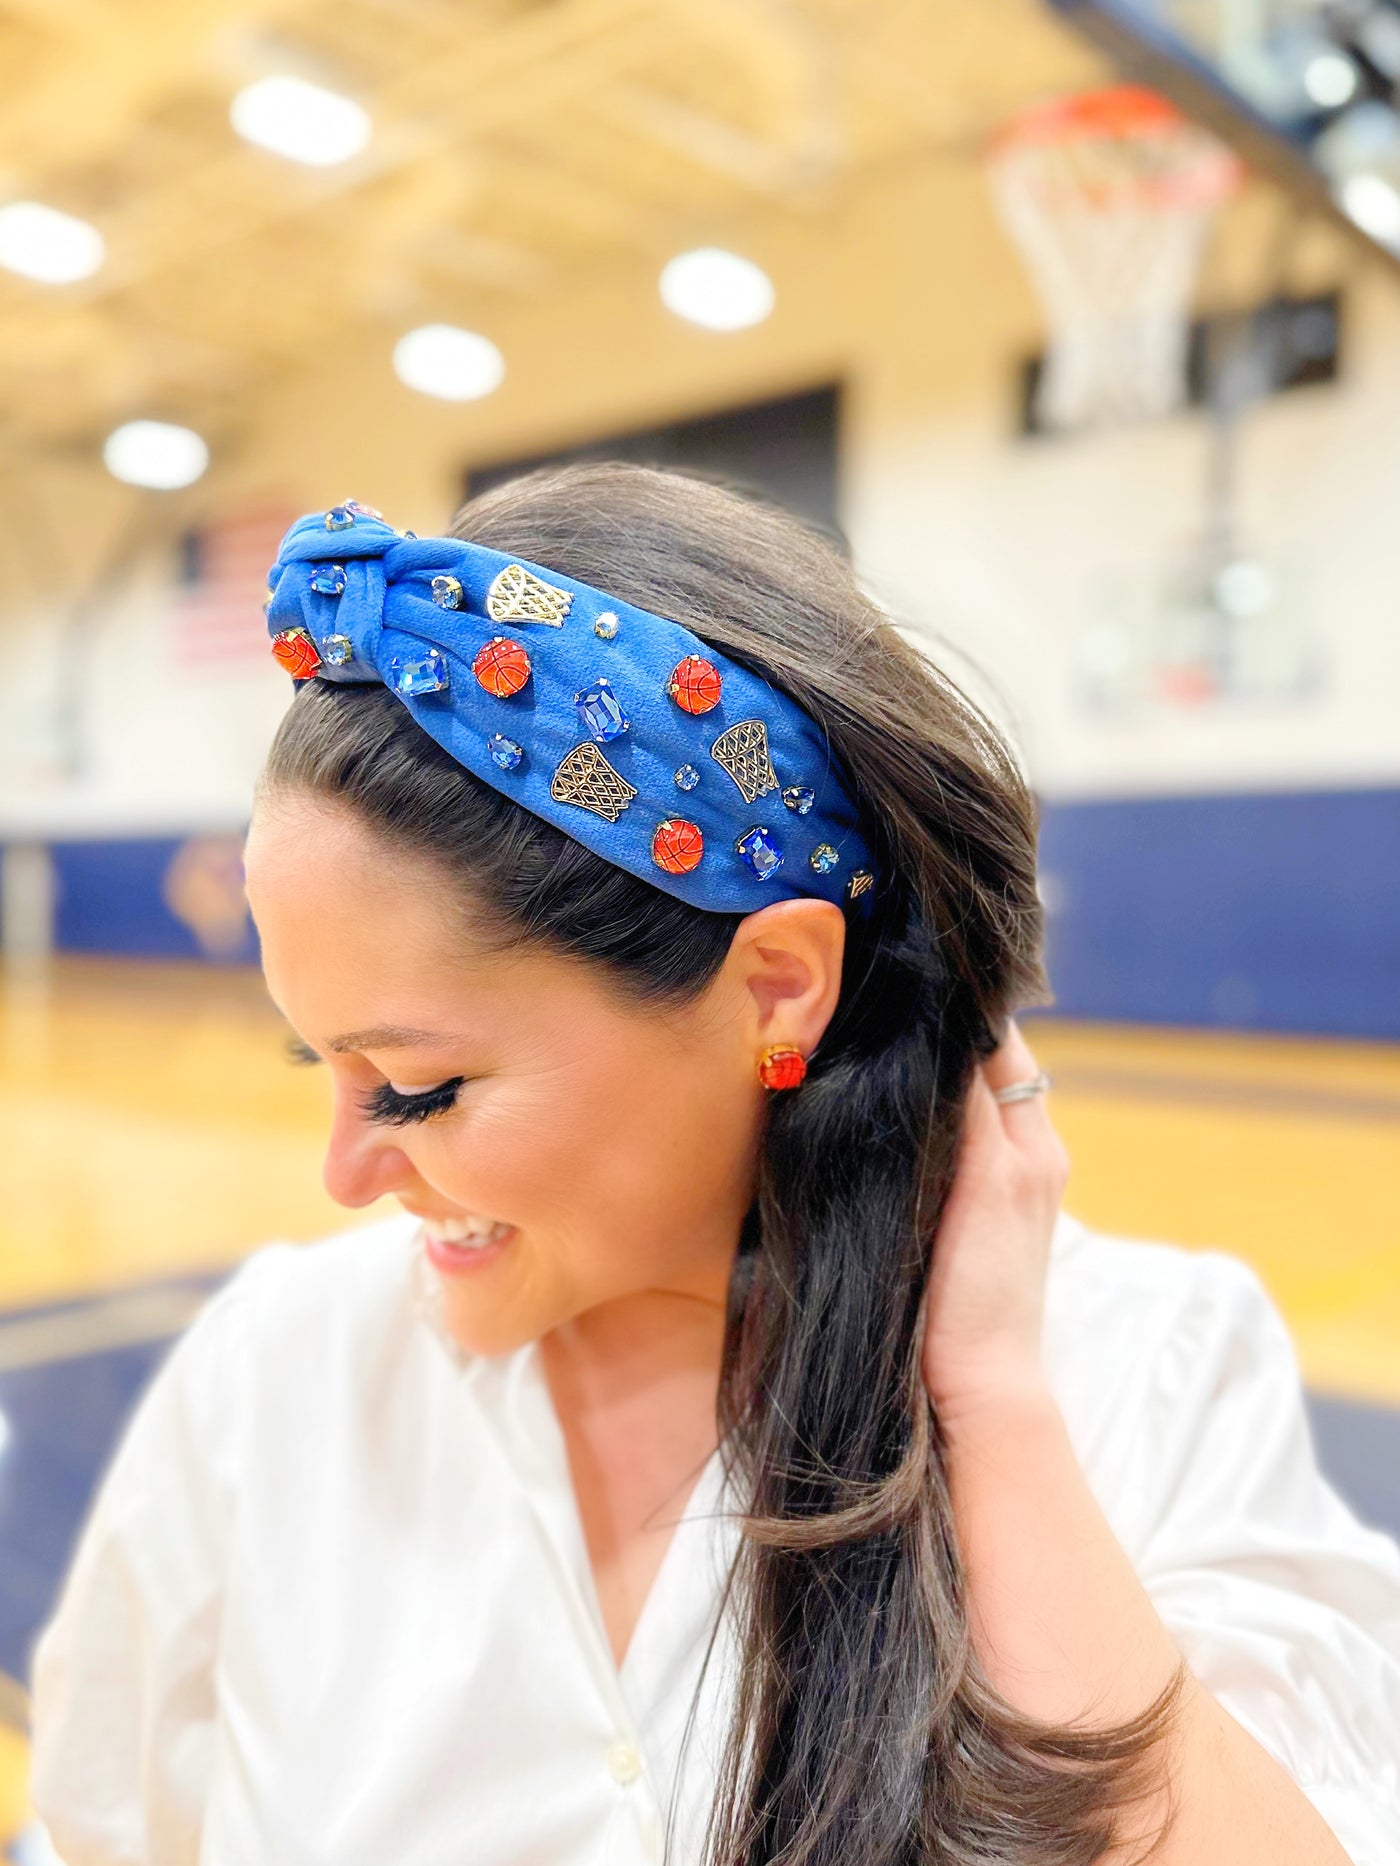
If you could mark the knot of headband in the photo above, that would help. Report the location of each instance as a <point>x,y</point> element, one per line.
<point>622,728</point>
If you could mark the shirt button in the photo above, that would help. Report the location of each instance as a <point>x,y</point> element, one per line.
<point>624,1764</point>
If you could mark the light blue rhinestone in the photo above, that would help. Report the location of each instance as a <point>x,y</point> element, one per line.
<point>418,673</point>
<point>606,625</point>
<point>328,579</point>
<point>823,858</point>
<point>600,711</point>
<point>760,851</point>
<point>340,518</point>
<point>337,649</point>
<point>505,752</point>
<point>687,777</point>
<point>447,593</point>
<point>799,797</point>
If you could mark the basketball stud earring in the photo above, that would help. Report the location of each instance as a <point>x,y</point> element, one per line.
<point>781,1066</point>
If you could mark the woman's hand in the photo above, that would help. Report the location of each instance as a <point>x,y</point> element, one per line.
<point>986,1289</point>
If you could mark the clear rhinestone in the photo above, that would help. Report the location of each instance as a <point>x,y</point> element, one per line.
<point>799,797</point>
<point>823,858</point>
<point>340,518</point>
<point>337,650</point>
<point>447,593</point>
<point>606,625</point>
<point>687,777</point>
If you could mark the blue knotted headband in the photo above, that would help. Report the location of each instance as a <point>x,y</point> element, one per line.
<point>623,729</point>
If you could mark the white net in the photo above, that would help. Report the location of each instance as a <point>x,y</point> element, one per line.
<point>1109,198</point>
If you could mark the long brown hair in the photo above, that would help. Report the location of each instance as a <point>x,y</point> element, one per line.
<point>864,1732</point>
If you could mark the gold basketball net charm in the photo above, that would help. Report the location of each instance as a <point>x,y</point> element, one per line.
<point>743,751</point>
<point>586,778</point>
<point>516,596</point>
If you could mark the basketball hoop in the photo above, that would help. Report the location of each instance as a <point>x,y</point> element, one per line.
<point>1109,196</point>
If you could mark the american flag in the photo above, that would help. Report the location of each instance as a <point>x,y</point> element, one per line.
<point>218,619</point>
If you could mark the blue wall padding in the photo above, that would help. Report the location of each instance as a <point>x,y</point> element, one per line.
<point>111,899</point>
<point>1275,911</point>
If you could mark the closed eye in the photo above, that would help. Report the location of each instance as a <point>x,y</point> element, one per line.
<point>395,1109</point>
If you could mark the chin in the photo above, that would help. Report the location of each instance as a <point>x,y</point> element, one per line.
<point>488,1329</point>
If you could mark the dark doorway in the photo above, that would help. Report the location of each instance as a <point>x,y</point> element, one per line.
<point>785,449</point>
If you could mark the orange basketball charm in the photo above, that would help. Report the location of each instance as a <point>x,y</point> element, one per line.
<point>694,684</point>
<point>781,1066</point>
<point>677,846</point>
<point>502,666</point>
<point>294,650</point>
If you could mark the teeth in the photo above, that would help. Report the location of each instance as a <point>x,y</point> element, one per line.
<point>469,1233</point>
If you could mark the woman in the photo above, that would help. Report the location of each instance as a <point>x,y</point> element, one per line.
<point>658,913</point>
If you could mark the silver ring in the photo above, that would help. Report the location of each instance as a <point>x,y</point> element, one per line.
<point>1022,1091</point>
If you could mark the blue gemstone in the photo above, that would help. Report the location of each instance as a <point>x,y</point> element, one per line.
<point>505,752</point>
<point>799,797</point>
<point>329,579</point>
<point>760,851</point>
<point>418,673</point>
<point>606,625</point>
<point>823,858</point>
<point>340,518</point>
<point>687,777</point>
<point>447,593</point>
<point>600,711</point>
<point>337,649</point>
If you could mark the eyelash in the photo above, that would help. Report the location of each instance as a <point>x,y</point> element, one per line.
<point>395,1110</point>
<point>386,1104</point>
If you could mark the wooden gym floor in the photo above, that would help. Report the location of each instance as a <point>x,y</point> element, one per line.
<point>155,1134</point>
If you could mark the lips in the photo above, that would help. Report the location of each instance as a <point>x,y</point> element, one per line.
<point>456,1249</point>
<point>467,1233</point>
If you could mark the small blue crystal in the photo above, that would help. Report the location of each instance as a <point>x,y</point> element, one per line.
<point>505,752</point>
<point>600,711</point>
<point>606,625</point>
<point>329,579</point>
<point>447,593</point>
<point>760,851</point>
<point>687,777</point>
<point>337,649</point>
<point>823,858</point>
<point>340,518</point>
<point>418,673</point>
<point>799,797</point>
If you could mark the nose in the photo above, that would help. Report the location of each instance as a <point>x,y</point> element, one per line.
<point>361,1163</point>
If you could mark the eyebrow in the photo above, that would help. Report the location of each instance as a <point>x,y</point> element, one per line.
<point>389,1037</point>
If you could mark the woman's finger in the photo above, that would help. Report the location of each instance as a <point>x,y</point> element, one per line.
<point>1012,1061</point>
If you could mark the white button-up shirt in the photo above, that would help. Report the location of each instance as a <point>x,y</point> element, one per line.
<point>332,1605</point>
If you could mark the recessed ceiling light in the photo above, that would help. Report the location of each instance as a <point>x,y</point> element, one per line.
<point>457,365</point>
<point>43,244</point>
<point>155,453</point>
<point>1330,80</point>
<point>301,121</point>
<point>715,288</point>
<point>1374,204</point>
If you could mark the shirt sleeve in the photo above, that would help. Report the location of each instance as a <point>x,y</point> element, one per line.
<point>122,1674</point>
<point>1286,1607</point>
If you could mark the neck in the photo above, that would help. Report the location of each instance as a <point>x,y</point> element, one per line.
<point>638,1348</point>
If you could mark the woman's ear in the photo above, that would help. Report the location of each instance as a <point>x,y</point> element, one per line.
<point>788,958</point>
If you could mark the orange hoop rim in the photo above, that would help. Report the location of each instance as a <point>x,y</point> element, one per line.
<point>1119,113</point>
